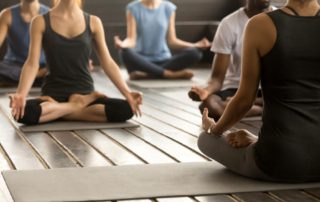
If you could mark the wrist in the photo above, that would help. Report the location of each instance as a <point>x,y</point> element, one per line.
<point>213,131</point>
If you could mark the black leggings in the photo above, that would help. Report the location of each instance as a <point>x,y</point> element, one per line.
<point>116,110</point>
<point>136,62</point>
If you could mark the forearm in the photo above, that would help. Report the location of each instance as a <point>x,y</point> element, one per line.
<point>180,44</point>
<point>214,85</point>
<point>27,78</point>
<point>128,43</point>
<point>235,110</point>
<point>114,73</point>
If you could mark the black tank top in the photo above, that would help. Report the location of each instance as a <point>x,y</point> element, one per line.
<point>289,142</point>
<point>67,60</point>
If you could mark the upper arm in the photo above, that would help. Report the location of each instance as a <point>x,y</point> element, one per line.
<point>172,27</point>
<point>37,29</point>
<point>257,42</point>
<point>131,26</point>
<point>5,21</point>
<point>224,39</point>
<point>99,38</point>
<point>220,65</point>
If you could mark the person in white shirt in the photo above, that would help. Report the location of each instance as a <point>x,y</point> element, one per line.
<point>225,77</point>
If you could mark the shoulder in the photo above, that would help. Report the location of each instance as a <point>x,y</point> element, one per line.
<point>260,22</point>
<point>169,6</point>
<point>95,24</point>
<point>38,23</point>
<point>235,16</point>
<point>6,16</point>
<point>133,5</point>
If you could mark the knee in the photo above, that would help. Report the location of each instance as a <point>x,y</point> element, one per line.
<point>194,54</point>
<point>117,110</point>
<point>203,142</point>
<point>32,112</point>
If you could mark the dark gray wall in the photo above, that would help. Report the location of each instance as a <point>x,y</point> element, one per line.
<point>195,18</point>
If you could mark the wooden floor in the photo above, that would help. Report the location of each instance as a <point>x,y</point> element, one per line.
<point>169,128</point>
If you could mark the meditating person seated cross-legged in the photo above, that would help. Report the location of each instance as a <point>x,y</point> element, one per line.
<point>67,33</point>
<point>14,29</point>
<point>282,49</point>
<point>145,51</point>
<point>226,66</point>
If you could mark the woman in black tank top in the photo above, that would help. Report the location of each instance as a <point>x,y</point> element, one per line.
<point>66,34</point>
<point>282,50</point>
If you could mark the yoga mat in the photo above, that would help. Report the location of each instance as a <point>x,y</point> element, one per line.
<point>253,118</point>
<point>6,90</point>
<point>132,182</point>
<point>163,83</point>
<point>75,125</point>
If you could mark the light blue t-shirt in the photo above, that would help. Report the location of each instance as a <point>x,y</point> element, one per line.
<point>152,28</point>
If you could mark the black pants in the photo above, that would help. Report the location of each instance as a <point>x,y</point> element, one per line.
<point>136,62</point>
<point>116,110</point>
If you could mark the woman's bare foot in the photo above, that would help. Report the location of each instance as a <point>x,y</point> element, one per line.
<point>137,75</point>
<point>84,100</point>
<point>241,138</point>
<point>182,74</point>
<point>47,99</point>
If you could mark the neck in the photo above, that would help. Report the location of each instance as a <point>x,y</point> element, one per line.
<point>30,6</point>
<point>302,3</point>
<point>68,6</point>
<point>304,7</point>
<point>151,3</point>
<point>251,11</point>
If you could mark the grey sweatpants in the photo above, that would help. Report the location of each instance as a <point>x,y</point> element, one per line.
<point>238,160</point>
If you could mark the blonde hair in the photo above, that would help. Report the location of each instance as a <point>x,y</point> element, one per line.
<point>55,2</point>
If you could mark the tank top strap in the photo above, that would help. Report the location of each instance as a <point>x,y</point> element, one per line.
<point>293,10</point>
<point>87,21</point>
<point>46,17</point>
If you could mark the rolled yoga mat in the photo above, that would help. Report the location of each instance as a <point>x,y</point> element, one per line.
<point>133,182</point>
<point>163,83</point>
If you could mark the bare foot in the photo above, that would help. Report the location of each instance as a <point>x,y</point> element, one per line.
<point>84,100</point>
<point>47,99</point>
<point>241,138</point>
<point>198,93</point>
<point>137,75</point>
<point>182,74</point>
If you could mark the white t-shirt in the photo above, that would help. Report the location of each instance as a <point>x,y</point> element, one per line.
<point>228,40</point>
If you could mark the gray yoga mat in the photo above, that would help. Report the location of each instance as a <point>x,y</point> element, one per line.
<point>6,90</point>
<point>73,125</point>
<point>132,182</point>
<point>163,83</point>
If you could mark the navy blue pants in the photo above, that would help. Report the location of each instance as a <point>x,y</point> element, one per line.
<point>134,61</point>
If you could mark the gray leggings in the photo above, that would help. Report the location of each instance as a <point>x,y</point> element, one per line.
<point>240,161</point>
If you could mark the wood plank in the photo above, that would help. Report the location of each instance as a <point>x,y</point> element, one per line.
<point>216,198</point>
<point>253,197</point>
<point>146,152</point>
<point>170,132</point>
<point>4,165</point>
<point>50,150</point>
<point>171,148</point>
<point>173,121</point>
<point>108,147</point>
<point>293,195</point>
<point>82,152</point>
<point>19,151</point>
<point>314,192</point>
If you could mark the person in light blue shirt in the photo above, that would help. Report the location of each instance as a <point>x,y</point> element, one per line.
<point>14,28</point>
<point>150,32</point>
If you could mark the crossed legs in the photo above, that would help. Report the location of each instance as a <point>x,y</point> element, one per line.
<point>93,107</point>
